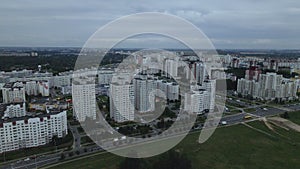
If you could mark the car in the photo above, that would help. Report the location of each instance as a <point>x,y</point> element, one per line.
<point>224,122</point>
<point>247,117</point>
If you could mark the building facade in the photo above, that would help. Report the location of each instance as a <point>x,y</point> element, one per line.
<point>26,132</point>
<point>15,110</point>
<point>13,93</point>
<point>83,93</point>
<point>270,86</point>
<point>144,93</point>
<point>121,100</point>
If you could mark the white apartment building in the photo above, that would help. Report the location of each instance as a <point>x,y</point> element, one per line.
<point>65,90</point>
<point>247,87</point>
<point>105,77</point>
<point>84,99</point>
<point>144,92</point>
<point>200,72</point>
<point>22,73</point>
<point>121,100</point>
<point>15,110</point>
<point>34,77</point>
<point>13,93</point>
<point>4,79</point>
<point>26,132</point>
<point>270,86</point>
<point>194,101</point>
<point>34,88</point>
<point>43,87</point>
<point>201,98</point>
<point>171,68</point>
<point>196,71</point>
<point>227,59</point>
<point>31,88</point>
<point>288,90</point>
<point>61,81</point>
<point>170,89</point>
<point>210,87</point>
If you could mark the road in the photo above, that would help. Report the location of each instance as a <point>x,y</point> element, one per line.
<point>44,160</point>
<point>76,135</point>
<point>55,158</point>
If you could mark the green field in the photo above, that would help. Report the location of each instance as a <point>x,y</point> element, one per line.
<point>237,147</point>
<point>294,117</point>
<point>85,140</point>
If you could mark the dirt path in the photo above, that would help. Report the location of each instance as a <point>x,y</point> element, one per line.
<point>284,123</point>
<point>259,130</point>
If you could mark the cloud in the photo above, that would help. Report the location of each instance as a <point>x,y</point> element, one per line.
<point>229,23</point>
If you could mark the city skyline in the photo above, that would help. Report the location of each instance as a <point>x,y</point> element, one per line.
<point>149,84</point>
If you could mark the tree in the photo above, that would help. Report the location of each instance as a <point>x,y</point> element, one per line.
<point>55,140</point>
<point>62,156</point>
<point>285,115</point>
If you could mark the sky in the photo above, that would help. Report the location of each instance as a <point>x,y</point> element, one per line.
<point>229,24</point>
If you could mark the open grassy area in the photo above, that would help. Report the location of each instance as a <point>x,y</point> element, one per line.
<point>249,110</point>
<point>234,105</point>
<point>235,111</point>
<point>294,117</point>
<point>230,147</point>
<point>85,140</point>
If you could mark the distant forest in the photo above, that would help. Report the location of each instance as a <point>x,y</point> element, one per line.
<point>51,63</point>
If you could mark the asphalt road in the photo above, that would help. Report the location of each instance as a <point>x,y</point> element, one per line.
<point>55,158</point>
<point>293,106</point>
<point>269,112</point>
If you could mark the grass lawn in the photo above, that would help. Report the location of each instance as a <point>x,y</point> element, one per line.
<point>69,114</point>
<point>294,117</point>
<point>232,110</point>
<point>235,111</point>
<point>80,130</point>
<point>237,147</point>
<point>85,140</point>
<point>234,105</point>
<point>249,110</point>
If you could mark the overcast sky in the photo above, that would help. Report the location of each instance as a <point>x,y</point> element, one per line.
<point>247,24</point>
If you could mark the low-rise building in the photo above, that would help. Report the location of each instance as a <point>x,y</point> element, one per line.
<point>15,110</point>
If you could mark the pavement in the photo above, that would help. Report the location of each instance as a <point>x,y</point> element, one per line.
<point>76,136</point>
